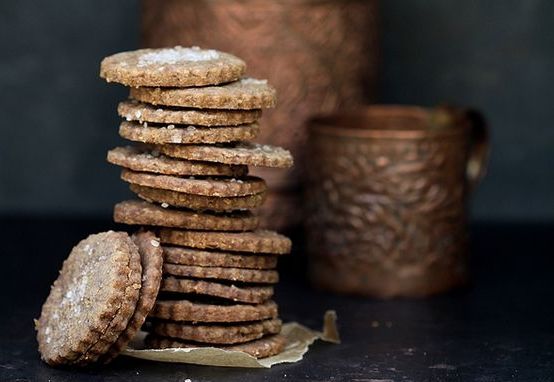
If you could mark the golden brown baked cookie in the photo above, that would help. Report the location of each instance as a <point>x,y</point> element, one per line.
<point>218,334</point>
<point>198,202</point>
<point>242,293</point>
<point>260,276</point>
<point>132,110</point>
<point>92,300</point>
<point>184,310</point>
<point>262,348</point>
<point>258,241</point>
<point>144,159</point>
<point>138,212</point>
<point>155,133</point>
<point>245,153</point>
<point>191,256</point>
<point>178,66</point>
<point>245,94</point>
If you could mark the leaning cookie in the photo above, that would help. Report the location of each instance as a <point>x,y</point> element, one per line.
<point>92,300</point>
<point>262,348</point>
<point>133,110</point>
<point>152,260</point>
<point>176,66</point>
<point>246,94</point>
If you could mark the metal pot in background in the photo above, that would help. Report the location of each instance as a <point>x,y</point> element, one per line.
<point>386,195</point>
<point>321,55</point>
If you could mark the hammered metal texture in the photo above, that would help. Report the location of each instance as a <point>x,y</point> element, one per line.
<point>320,55</point>
<point>387,216</point>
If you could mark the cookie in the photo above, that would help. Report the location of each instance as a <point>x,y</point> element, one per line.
<point>184,310</point>
<point>151,258</point>
<point>246,294</point>
<point>176,66</point>
<point>218,334</point>
<point>246,94</point>
<point>198,202</point>
<point>137,212</point>
<point>191,256</point>
<point>142,159</point>
<point>182,134</point>
<point>133,110</point>
<point>262,348</point>
<point>222,187</point>
<point>242,153</point>
<point>91,301</point>
<point>220,273</point>
<point>258,241</point>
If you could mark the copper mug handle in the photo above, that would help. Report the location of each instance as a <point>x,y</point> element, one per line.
<point>479,148</point>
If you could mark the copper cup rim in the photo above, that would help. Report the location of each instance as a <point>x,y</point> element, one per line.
<point>381,121</point>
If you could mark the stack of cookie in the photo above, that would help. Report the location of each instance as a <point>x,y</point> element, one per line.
<point>192,115</point>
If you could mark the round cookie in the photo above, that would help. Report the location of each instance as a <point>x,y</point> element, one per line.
<point>184,310</point>
<point>142,159</point>
<point>198,202</point>
<point>220,273</point>
<point>222,187</point>
<point>262,348</point>
<point>133,110</point>
<point>245,94</point>
<point>218,334</point>
<point>93,295</point>
<point>178,66</point>
<point>183,134</point>
<point>258,241</point>
<point>246,294</point>
<point>151,258</point>
<point>137,212</point>
<point>191,256</point>
<point>242,153</point>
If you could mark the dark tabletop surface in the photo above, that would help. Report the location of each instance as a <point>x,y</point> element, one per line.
<point>499,329</point>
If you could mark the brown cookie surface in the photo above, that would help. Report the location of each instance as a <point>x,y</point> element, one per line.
<point>259,241</point>
<point>94,285</point>
<point>182,134</point>
<point>262,348</point>
<point>137,212</point>
<point>178,66</point>
<point>151,258</point>
<point>220,187</point>
<point>142,159</point>
<point>191,256</point>
<point>246,294</point>
<point>245,94</point>
<point>220,273</point>
<point>133,110</point>
<point>184,310</point>
<point>243,153</point>
<point>218,334</point>
<point>198,202</point>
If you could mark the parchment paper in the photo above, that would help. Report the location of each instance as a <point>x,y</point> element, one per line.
<point>299,338</point>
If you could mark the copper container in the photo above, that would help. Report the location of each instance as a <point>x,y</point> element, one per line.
<point>321,55</point>
<point>386,199</point>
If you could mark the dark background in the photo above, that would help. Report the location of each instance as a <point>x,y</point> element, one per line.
<point>58,118</point>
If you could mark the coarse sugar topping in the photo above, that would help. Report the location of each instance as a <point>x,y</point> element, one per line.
<point>177,55</point>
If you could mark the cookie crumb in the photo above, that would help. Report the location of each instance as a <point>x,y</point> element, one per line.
<point>155,243</point>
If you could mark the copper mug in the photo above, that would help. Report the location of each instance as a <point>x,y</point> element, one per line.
<point>386,198</point>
